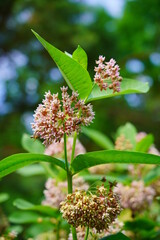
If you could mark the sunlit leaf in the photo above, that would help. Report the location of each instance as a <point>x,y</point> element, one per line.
<point>80,56</point>
<point>145,143</point>
<point>128,86</point>
<point>25,217</point>
<point>16,161</point>
<point>90,159</point>
<point>76,76</point>
<point>99,138</point>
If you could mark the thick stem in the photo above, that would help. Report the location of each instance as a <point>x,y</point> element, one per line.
<point>87,232</point>
<point>69,179</point>
<point>74,146</point>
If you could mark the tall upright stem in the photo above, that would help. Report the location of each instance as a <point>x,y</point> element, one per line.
<point>87,232</point>
<point>74,146</point>
<point>69,179</point>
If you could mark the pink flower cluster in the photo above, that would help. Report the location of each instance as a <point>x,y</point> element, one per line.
<point>107,72</point>
<point>54,117</point>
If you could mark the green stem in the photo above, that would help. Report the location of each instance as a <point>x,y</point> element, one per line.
<point>69,179</point>
<point>58,228</point>
<point>87,232</point>
<point>74,146</point>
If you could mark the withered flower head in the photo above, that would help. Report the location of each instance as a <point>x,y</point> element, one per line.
<point>96,211</point>
<point>54,117</point>
<point>107,75</point>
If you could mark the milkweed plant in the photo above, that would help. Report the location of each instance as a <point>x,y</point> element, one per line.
<point>90,204</point>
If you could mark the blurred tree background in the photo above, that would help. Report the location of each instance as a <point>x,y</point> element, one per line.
<point>128,31</point>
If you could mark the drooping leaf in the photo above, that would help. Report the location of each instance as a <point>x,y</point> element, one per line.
<point>25,205</point>
<point>76,76</point>
<point>16,161</point>
<point>152,175</point>
<point>31,145</point>
<point>99,138</point>
<point>80,56</point>
<point>3,197</point>
<point>20,217</point>
<point>128,86</point>
<point>145,143</point>
<point>129,131</point>
<point>118,236</point>
<point>91,159</point>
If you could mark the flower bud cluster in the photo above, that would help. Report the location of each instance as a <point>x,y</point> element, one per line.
<point>56,192</point>
<point>54,117</point>
<point>122,143</point>
<point>136,197</point>
<point>96,211</point>
<point>57,149</point>
<point>107,72</point>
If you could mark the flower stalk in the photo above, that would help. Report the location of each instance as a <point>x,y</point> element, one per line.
<point>69,175</point>
<point>87,232</point>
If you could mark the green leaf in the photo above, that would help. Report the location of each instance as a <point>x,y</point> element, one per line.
<point>80,56</point>
<point>31,145</point>
<point>99,138</point>
<point>118,236</point>
<point>152,175</point>
<point>16,161</point>
<point>20,217</point>
<point>76,76</point>
<point>129,131</point>
<point>139,224</point>
<point>25,205</point>
<point>3,197</point>
<point>91,159</point>
<point>128,86</point>
<point>111,178</point>
<point>31,170</point>
<point>145,143</point>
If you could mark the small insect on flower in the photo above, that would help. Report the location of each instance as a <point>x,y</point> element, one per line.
<point>56,117</point>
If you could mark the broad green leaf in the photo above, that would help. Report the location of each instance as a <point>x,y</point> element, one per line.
<point>129,131</point>
<point>3,197</point>
<point>20,217</point>
<point>145,143</point>
<point>128,86</point>
<point>99,138</point>
<point>16,161</point>
<point>25,205</point>
<point>80,56</point>
<point>152,175</point>
<point>31,145</point>
<point>111,178</point>
<point>90,159</point>
<point>76,76</point>
<point>31,170</point>
<point>118,236</point>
